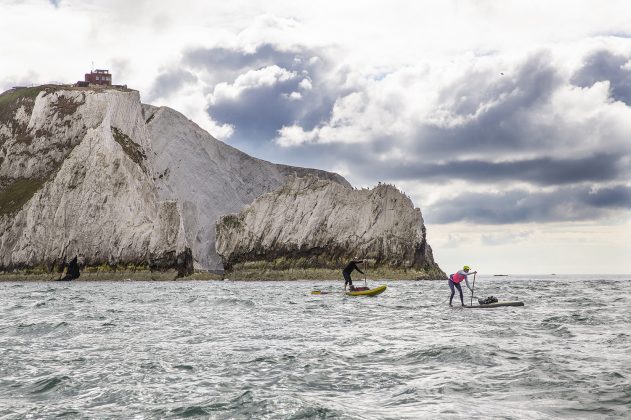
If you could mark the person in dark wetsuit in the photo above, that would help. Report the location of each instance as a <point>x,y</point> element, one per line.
<point>72,272</point>
<point>348,270</point>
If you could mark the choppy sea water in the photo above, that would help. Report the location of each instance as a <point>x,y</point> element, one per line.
<point>273,350</point>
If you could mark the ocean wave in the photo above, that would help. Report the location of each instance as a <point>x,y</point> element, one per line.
<point>48,384</point>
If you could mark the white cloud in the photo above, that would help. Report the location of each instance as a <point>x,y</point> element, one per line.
<point>192,102</point>
<point>295,96</point>
<point>305,84</point>
<point>270,28</point>
<point>267,76</point>
<point>295,135</point>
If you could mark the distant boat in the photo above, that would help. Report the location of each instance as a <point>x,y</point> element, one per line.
<point>500,275</point>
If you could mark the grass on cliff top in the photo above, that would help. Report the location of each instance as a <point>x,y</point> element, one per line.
<point>32,92</point>
<point>12,100</point>
<point>17,194</point>
<point>20,93</point>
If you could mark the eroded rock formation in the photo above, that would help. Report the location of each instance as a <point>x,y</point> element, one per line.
<point>315,223</point>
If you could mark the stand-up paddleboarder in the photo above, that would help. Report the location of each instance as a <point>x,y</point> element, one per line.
<point>454,282</point>
<point>348,270</point>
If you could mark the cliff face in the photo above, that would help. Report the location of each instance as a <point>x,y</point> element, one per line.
<point>94,173</point>
<point>76,179</point>
<point>208,177</point>
<point>314,223</point>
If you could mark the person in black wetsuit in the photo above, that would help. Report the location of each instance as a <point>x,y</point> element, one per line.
<point>348,270</point>
<point>72,272</point>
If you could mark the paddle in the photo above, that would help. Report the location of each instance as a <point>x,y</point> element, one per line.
<point>365,284</point>
<point>324,292</point>
<point>473,289</point>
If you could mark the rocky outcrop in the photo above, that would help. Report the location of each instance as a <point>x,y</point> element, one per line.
<point>315,223</point>
<point>75,179</point>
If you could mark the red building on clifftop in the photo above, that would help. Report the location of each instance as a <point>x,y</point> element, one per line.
<point>99,77</point>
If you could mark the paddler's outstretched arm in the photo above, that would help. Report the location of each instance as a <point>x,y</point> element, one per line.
<point>466,278</point>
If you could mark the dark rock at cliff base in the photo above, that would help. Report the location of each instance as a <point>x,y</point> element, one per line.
<point>72,271</point>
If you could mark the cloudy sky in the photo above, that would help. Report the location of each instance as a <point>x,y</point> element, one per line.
<point>507,122</point>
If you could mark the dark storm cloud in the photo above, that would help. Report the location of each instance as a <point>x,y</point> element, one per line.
<point>602,66</point>
<point>498,111</point>
<point>258,113</point>
<point>616,197</point>
<point>234,61</point>
<point>540,171</point>
<point>170,81</point>
<point>518,206</point>
<point>531,83</point>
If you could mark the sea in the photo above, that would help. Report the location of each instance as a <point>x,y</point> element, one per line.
<point>273,350</point>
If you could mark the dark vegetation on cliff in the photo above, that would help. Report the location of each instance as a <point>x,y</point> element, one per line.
<point>131,149</point>
<point>17,193</point>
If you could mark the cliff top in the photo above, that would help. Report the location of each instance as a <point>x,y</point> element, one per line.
<point>32,91</point>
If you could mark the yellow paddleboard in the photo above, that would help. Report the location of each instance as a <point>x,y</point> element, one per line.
<point>370,292</point>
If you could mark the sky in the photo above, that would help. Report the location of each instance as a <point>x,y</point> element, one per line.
<point>508,123</point>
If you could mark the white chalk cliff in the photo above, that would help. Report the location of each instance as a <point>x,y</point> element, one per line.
<point>91,172</point>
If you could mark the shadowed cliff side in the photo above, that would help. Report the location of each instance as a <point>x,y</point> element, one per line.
<point>312,227</point>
